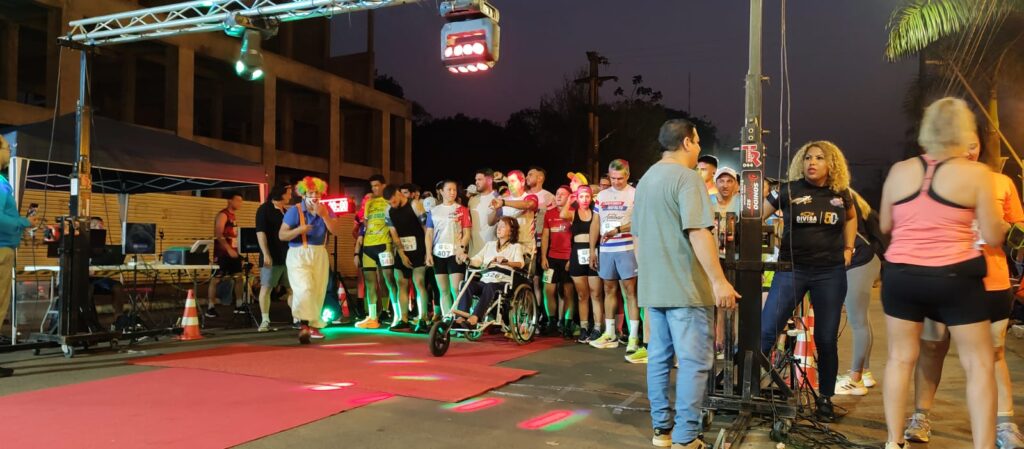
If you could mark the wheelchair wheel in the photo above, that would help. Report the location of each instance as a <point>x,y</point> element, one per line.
<point>439,338</point>
<point>523,311</point>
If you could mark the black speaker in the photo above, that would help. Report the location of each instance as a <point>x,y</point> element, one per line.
<point>139,238</point>
<point>247,241</point>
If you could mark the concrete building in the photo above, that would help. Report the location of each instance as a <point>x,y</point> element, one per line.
<point>310,114</point>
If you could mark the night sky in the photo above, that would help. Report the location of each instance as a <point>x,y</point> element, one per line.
<point>842,88</point>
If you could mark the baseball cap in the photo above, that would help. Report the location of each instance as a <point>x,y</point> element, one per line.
<point>726,171</point>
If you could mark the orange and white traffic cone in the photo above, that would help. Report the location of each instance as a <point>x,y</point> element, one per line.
<point>190,320</point>
<point>805,351</point>
<point>343,301</point>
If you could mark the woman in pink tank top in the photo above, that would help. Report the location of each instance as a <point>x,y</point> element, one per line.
<point>929,203</point>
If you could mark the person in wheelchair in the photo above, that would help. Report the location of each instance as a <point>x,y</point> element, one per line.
<point>505,251</point>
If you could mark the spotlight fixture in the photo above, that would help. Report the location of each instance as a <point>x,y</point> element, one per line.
<point>253,31</point>
<point>470,39</point>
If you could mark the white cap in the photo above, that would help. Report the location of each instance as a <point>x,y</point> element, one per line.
<point>471,190</point>
<point>726,171</point>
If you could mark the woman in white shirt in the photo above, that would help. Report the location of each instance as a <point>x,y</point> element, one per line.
<point>504,251</point>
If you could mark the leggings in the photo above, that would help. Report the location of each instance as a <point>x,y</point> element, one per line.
<point>859,281</point>
<point>826,287</point>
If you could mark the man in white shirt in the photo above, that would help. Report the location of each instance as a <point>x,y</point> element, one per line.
<point>535,178</point>
<point>484,216</point>
<point>522,206</point>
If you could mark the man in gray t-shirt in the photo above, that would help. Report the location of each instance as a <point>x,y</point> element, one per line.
<point>680,282</point>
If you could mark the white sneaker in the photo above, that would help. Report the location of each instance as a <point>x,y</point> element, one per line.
<point>868,379</point>
<point>634,343</point>
<point>606,342</point>
<point>264,327</point>
<point>845,385</point>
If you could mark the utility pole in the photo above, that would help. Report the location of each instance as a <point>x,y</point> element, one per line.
<point>594,82</point>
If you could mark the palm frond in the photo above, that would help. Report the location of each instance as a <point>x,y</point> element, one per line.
<point>919,23</point>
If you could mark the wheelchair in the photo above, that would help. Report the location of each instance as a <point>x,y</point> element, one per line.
<point>514,310</point>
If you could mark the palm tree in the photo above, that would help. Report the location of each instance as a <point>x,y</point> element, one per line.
<point>971,38</point>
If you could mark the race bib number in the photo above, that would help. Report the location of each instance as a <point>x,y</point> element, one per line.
<point>444,250</point>
<point>583,255</point>
<point>491,277</point>
<point>408,243</point>
<point>386,259</point>
<point>609,225</point>
<point>548,274</point>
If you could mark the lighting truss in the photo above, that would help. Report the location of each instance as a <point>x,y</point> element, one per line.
<point>205,16</point>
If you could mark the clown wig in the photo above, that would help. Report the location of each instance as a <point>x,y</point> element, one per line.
<point>311,184</point>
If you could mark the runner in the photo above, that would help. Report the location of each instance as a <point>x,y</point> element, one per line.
<point>616,262</point>
<point>407,229</point>
<point>556,242</point>
<point>376,252</point>
<point>535,178</point>
<point>448,229</point>
<point>483,215</point>
<point>588,284</point>
<point>522,206</point>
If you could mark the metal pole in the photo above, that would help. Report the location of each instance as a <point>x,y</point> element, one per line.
<point>593,146</point>
<point>81,181</point>
<point>748,273</point>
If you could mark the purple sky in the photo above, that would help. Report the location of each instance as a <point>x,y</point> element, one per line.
<point>842,88</point>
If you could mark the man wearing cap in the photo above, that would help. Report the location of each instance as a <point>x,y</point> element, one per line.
<point>724,200</point>
<point>707,165</point>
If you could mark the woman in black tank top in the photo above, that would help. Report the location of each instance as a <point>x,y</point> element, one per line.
<point>583,277</point>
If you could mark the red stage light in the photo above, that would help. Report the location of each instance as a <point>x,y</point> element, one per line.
<point>340,205</point>
<point>458,50</point>
<point>467,49</point>
<point>453,70</point>
<point>448,52</point>
<point>482,66</point>
<point>463,69</point>
<point>472,68</point>
<point>478,48</point>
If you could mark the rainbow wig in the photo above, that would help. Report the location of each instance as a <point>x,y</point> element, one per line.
<point>311,184</point>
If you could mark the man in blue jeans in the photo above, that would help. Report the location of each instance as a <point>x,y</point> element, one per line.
<point>680,283</point>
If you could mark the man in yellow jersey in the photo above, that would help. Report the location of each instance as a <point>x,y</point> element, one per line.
<point>376,254</point>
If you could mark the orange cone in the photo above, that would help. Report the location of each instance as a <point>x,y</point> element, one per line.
<point>805,351</point>
<point>190,320</point>
<point>343,300</point>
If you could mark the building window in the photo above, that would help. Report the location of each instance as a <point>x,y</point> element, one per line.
<point>226,106</point>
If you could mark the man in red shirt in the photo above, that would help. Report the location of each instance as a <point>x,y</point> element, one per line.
<point>556,243</point>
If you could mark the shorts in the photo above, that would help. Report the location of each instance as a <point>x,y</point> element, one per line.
<point>948,294</point>
<point>577,269</point>
<point>274,276</point>
<point>418,260</point>
<point>228,266</point>
<point>616,266</point>
<point>559,273</point>
<point>448,265</point>
<point>1001,302</point>
<point>371,257</point>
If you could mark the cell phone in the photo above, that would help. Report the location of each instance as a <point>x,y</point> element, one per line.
<point>1015,238</point>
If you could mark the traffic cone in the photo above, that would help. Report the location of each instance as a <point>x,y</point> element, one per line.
<point>343,300</point>
<point>190,320</point>
<point>805,351</point>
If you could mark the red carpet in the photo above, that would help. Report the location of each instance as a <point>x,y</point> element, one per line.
<point>371,367</point>
<point>170,408</point>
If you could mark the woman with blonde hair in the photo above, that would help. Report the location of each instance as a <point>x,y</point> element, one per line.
<point>934,268</point>
<point>818,238</point>
<point>305,228</point>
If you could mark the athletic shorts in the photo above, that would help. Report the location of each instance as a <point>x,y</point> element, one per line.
<point>616,266</point>
<point>559,273</point>
<point>418,259</point>
<point>935,331</point>
<point>228,266</point>
<point>273,276</point>
<point>448,265</point>
<point>577,269</point>
<point>372,257</point>
<point>949,294</point>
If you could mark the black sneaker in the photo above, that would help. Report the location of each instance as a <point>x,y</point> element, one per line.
<point>825,411</point>
<point>401,326</point>
<point>211,312</point>
<point>241,310</point>
<point>6,372</point>
<point>595,333</point>
<point>422,327</point>
<point>584,336</point>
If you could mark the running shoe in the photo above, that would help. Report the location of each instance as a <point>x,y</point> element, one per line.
<point>421,327</point>
<point>919,428</point>
<point>304,334</point>
<point>695,444</point>
<point>845,385</point>
<point>401,326</point>
<point>211,313</point>
<point>606,341</point>
<point>315,334</point>
<point>634,344</point>
<point>368,323</point>
<point>662,438</point>
<point>1008,436</point>
<point>264,327</point>
<point>638,356</point>
<point>241,310</point>
<point>825,411</point>
<point>584,336</point>
<point>868,379</point>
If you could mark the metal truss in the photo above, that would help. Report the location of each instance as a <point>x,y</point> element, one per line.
<point>203,16</point>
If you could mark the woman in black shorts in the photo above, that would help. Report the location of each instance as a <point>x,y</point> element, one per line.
<point>587,283</point>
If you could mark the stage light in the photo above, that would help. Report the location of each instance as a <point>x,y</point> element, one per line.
<point>453,70</point>
<point>250,58</point>
<point>328,315</point>
<point>471,36</point>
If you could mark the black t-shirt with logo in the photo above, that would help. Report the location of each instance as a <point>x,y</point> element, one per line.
<point>815,217</point>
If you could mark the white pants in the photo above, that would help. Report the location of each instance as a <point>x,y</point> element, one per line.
<point>308,270</point>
